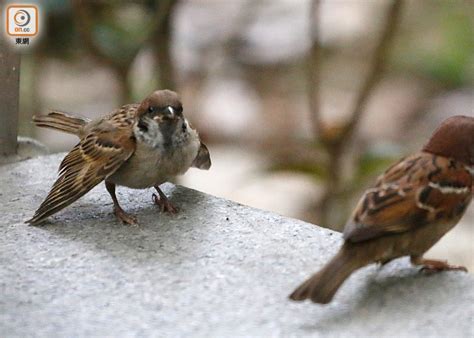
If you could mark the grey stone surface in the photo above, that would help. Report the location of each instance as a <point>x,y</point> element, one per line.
<point>26,148</point>
<point>217,269</point>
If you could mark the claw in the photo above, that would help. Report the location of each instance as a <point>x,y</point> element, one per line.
<point>429,269</point>
<point>124,217</point>
<point>433,265</point>
<point>164,204</point>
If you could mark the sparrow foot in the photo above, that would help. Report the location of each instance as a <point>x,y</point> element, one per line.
<point>118,211</point>
<point>432,265</point>
<point>165,204</point>
<point>124,217</point>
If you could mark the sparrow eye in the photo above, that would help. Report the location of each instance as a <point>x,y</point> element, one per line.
<point>151,109</point>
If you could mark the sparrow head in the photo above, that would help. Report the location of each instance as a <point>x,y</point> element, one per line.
<point>454,138</point>
<point>161,105</point>
<point>161,121</point>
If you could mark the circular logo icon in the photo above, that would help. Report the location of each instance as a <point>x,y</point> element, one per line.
<point>22,18</point>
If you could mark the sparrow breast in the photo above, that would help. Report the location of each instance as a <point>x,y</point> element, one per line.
<point>164,149</point>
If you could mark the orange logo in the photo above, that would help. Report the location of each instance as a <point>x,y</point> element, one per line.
<point>22,20</point>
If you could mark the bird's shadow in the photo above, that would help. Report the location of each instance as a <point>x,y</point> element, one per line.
<point>157,235</point>
<point>381,293</point>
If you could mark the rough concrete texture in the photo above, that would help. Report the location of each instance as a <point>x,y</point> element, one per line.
<point>217,269</point>
<point>26,148</point>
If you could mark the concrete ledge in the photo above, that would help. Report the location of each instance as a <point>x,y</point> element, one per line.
<point>26,148</point>
<point>217,269</point>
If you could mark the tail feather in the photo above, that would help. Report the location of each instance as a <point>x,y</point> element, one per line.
<point>61,121</point>
<point>322,286</point>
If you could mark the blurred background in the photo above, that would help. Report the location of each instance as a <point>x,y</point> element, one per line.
<point>301,102</point>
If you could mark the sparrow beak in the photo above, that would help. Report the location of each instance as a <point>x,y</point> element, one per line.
<point>169,113</point>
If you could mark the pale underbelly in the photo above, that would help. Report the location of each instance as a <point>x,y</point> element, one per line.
<point>147,168</point>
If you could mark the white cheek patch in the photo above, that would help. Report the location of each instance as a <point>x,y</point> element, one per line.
<point>152,137</point>
<point>425,207</point>
<point>446,189</point>
<point>470,169</point>
<point>181,133</point>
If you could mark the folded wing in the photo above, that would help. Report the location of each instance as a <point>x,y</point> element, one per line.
<point>415,191</point>
<point>203,158</point>
<point>97,156</point>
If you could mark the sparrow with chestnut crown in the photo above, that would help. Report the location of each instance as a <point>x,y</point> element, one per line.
<point>410,207</point>
<point>138,146</point>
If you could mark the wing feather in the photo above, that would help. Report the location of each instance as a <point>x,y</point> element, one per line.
<point>97,156</point>
<point>415,191</point>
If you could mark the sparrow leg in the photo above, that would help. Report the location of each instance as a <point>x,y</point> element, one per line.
<point>118,211</point>
<point>163,202</point>
<point>431,265</point>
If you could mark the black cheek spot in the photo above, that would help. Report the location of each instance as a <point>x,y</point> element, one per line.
<point>184,128</point>
<point>424,195</point>
<point>143,126</point>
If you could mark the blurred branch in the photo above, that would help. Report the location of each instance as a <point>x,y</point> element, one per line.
<point>160,38</point>
<point>162,44</point>
<point>314,64</point>
<point>336,143</point>
<point>120,66</point>
<point>376,68</point>
<point>163,13</point>
<point>84,26</point>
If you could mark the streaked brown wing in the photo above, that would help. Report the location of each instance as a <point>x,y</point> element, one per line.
<point>418,190</point>
<point>97,156</point>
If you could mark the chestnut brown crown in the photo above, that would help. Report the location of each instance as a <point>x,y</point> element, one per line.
<point>160,100</point>
<point>454,138</point>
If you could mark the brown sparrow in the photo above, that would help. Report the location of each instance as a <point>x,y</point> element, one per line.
<point>412,205</point>
<point>139,146</point>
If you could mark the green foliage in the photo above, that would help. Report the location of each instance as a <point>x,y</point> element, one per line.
<point>315,170</point>
<point>118,30</point>
<point>450,63</point>
<point>440,43</point>
<point>123,33</point>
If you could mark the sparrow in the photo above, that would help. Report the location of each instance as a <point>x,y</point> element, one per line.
<point>139,145</point>
<point>411,206</point>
